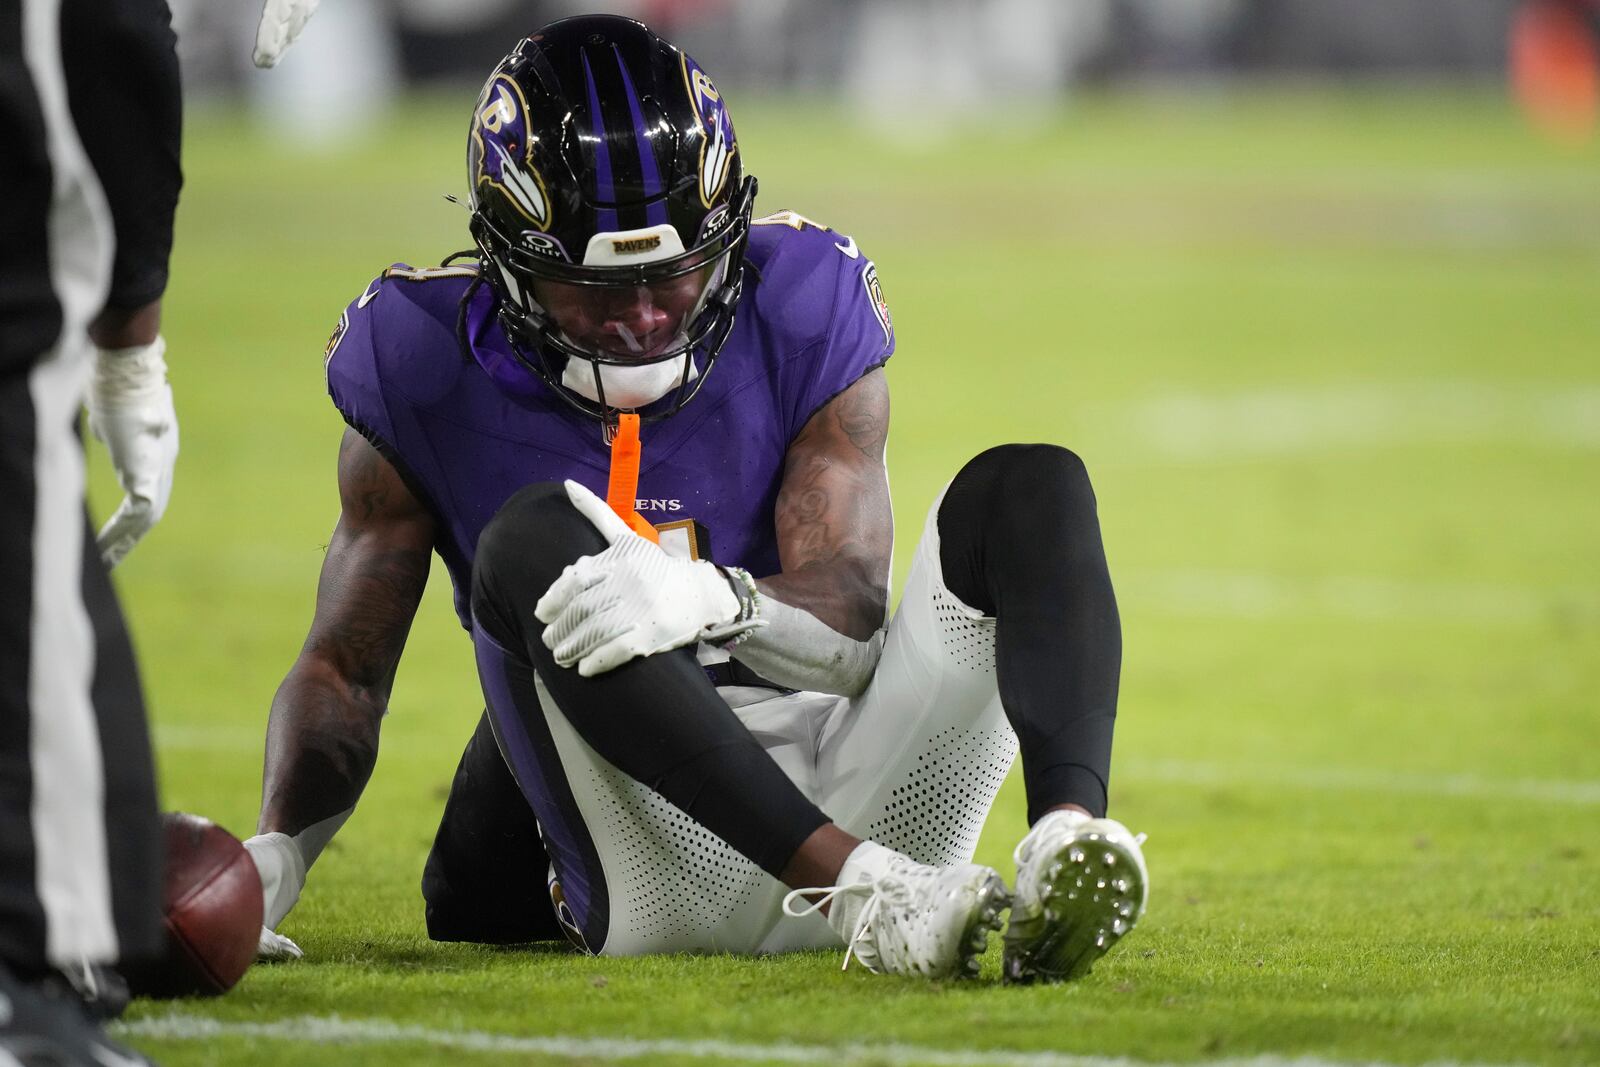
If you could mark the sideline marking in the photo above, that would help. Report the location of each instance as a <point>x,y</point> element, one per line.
<point>331,1029</point>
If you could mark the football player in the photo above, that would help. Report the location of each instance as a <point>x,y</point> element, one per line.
<point>644,429</point>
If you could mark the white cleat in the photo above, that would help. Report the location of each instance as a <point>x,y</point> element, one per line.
<point>898,916</point>
<point>1081,886</point>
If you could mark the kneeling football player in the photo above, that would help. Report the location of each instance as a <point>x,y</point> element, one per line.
<point>644,430</point>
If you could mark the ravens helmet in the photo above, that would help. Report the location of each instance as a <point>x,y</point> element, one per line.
<point>611,210</point>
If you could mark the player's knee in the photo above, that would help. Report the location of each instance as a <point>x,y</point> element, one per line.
<point>1005,508</point>
<point>535,534</point>
<point>1020,484</point>
<point>1034,468</point>
<point>537,530</point>
<point>537,519</point>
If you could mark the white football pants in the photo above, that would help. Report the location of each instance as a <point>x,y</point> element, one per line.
<point>913,763</point>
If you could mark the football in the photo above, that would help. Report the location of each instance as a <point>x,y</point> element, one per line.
<point>212,908</point>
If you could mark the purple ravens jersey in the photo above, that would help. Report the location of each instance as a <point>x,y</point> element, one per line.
<point>467,429</point>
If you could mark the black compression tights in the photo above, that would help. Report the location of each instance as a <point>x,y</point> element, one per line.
<point>1019,539</point>
<point>657,719</point>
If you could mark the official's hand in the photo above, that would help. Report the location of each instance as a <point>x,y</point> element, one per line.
<point>130,409</point>
<point>283,875</point>
<point>281,23</point>
<point>632,599</point>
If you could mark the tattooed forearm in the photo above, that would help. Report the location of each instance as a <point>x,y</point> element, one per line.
<point>864,415</point>
<point>834,525</point>
<point>376,597</point>
<point>322,737</point>
<point>805,508</point>
<point>322,744</point>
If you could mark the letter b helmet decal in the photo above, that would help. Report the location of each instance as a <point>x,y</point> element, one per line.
<point>502,151</point>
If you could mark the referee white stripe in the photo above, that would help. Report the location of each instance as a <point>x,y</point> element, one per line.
<point>72,871</point>
<point>331,1029</point>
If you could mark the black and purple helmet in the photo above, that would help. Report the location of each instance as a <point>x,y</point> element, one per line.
<point>611,210</point>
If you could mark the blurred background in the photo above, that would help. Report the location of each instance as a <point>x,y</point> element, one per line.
<point>911,65</point>
<point>1313,287</point>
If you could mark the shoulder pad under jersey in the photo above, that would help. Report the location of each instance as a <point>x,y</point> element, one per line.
<point>819,296</point>
<point>813,279</point>
<point>396,336</point>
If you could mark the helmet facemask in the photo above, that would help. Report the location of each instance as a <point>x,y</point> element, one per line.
<point>578,326</point>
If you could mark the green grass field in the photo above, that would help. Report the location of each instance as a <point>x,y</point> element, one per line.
<point>1331,359</point>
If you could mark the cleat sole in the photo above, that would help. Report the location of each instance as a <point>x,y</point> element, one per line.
<point>993,899</point>
<point>1088,900</point>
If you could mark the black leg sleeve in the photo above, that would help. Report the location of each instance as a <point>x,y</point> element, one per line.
<point>485,880</point>
<point>1019,539</point>
<point>132,834</point>
<point>657,719</point>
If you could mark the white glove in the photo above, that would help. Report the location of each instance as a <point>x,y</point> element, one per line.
<point>281,23</point>
<point>632,599</point>
<point>130,409</point>
<point>283,875</point>
<point>274,946</point>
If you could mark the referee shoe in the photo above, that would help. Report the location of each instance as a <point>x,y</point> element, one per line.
<point>45,1026</point>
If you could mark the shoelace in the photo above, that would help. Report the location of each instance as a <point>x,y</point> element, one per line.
<point>878,890</point>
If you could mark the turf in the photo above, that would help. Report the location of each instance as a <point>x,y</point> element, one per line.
<point>1330,358</point>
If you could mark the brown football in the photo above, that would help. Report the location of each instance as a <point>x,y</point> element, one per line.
<point>212,903</point>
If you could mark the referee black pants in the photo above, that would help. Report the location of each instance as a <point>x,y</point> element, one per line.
<point>80,851</point>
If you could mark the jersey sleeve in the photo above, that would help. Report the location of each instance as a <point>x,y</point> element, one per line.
<point>859,337</point>
<point>351,364</point>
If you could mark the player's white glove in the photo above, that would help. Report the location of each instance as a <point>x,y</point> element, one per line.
<point>281,23</point>
<point>130,409</point>
<point>272,945</point>
<point>633,599</point>
<point>283,874</point>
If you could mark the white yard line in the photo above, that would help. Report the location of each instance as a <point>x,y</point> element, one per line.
<point>1349,779</point>
<point>333,1030</point>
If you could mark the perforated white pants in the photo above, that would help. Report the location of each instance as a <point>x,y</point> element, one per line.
<point>913,763</point>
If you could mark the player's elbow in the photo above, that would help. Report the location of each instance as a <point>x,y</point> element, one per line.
<point>855,669</point>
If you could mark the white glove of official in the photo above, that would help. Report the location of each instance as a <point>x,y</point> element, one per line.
<point>632,599</point>
<point>281,23</point>
<point>283,876</point>
<point>130,409</point>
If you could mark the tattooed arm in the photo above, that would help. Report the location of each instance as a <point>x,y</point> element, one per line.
<point>322,738</point>
<point>835,527</point>
<point>835,534</point>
